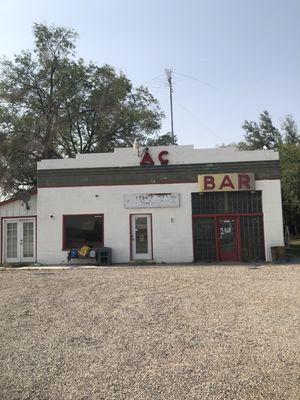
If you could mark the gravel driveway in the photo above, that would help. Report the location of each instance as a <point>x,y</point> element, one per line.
<point>151,333</point>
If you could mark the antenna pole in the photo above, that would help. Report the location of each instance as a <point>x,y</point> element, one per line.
<point>169,79</point>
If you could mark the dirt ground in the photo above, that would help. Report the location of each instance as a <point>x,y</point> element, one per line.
<point>206,332</point>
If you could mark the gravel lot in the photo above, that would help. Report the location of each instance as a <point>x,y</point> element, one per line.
<point>151,333</point>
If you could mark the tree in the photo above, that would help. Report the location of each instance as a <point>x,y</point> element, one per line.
<point>290,131</point>
<point>264,135</point>
<point>290,181</point>
<point>261,135</point>
<point>54,106</point>
<point>162,140</point>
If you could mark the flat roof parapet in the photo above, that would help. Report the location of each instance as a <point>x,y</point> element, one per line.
<point>177,155</point>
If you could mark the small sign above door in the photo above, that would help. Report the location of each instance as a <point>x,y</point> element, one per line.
<point>151,200</point>
<point>226,182</point>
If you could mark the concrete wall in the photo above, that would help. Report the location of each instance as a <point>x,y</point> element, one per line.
<point>272,209</point>
<point>172,241</point>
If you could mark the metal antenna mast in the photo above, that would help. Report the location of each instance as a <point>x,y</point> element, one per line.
<point>169,79</point>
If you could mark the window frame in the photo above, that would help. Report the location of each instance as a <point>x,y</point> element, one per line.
<point>64,246</point>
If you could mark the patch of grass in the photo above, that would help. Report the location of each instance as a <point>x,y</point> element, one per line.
<point>294,248</point>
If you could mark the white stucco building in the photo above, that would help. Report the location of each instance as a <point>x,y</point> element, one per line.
<point>167,204</point>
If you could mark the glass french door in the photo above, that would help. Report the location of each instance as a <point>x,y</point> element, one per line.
<point>19,240</point>
<point>141,237</point>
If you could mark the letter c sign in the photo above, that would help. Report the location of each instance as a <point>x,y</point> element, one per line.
<point>162,160</point>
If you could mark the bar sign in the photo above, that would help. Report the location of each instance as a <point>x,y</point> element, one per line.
<point>226,182</point>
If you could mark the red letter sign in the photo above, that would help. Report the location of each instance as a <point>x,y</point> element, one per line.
<point>163,161</point>
<point>146,160</point>
<point>226,183</point>
<point>209,182</point>
<point>244,181</point>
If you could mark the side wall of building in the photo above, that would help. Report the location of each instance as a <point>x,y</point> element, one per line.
<point>272,210</point>
<point>16,209</point>
<point>172,227</point>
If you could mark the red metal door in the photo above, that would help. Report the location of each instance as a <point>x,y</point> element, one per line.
<point>227,239</point>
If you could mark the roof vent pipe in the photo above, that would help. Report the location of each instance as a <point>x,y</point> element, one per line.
<point>136,144</point>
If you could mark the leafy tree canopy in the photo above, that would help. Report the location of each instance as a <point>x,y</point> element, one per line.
<point>261,135</point>
<point>290,133</point>
<point>162,140</point>
<point>54,106</point>
<point>290,181</point>
<point>264,135</point>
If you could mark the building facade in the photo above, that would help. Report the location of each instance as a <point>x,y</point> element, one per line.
<point>167,204</point>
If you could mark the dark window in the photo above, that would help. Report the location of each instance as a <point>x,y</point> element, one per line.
<point>82,230</point>
<point>227,202</point>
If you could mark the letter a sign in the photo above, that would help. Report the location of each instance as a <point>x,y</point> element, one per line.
<point>226,182</point>
<point>147,159</point>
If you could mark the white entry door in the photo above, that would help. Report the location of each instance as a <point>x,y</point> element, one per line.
<point>19,240</point>
<point>141,237</point>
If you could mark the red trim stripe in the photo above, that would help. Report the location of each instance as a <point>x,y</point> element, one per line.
<point>227,214</point>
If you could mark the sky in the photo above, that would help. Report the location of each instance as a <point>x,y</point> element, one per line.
<point>231,59</point>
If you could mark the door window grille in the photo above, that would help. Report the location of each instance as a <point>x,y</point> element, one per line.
<point>252,238</point>
<point>204,239</point>
<point>227,202</point>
